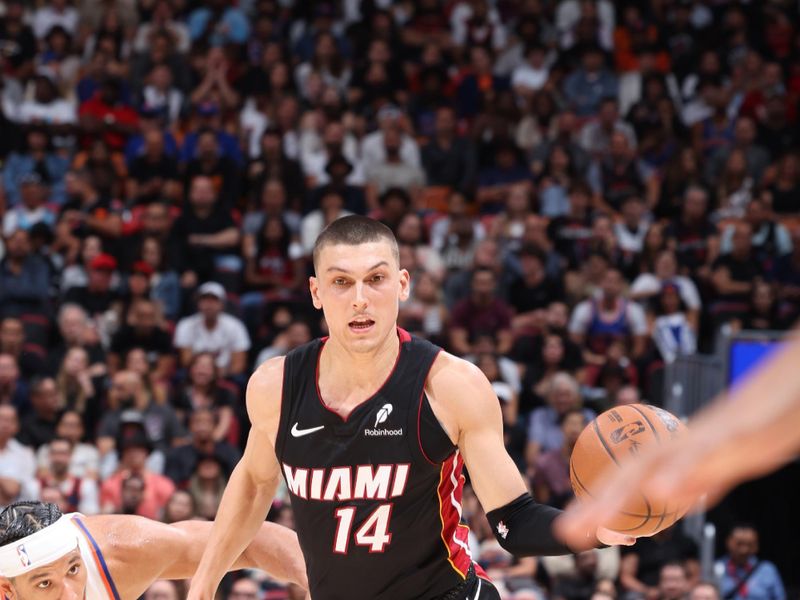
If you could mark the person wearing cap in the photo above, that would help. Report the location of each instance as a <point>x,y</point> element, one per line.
<point>212,330</point>
<point>96,296</point>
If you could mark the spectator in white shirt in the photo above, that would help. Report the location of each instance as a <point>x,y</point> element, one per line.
<point>85,458</point>
<point>316,150</point>
<point>595,136</point>
<point>17,463</point>
<point>52,13</point>
<point>531,75</point>
<point>648,285</point>
<point>373,148</point>
<point>212,330</point>
<point>632,229</point>
<point>46,107</point>
<point>78,493</point>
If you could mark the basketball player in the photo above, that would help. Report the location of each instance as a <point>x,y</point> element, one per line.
<point>370,429</point>
<point>46,555</point>
<point>749,432</point>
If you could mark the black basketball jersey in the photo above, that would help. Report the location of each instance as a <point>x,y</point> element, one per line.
<point>377,496</point>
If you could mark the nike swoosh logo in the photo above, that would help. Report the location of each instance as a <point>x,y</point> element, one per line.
<point>301,432</point>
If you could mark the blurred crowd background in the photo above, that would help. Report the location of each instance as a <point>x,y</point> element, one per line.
<point>584,191</point>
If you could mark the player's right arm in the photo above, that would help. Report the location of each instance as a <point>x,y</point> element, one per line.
<point>251,487</point>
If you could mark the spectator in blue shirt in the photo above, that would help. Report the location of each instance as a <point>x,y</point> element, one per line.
<point>24,277</point>
<point>743,576</point>
<point>586,87</point>
<point>219,24</point>
<point>207,116</point>
<point>38,158</point>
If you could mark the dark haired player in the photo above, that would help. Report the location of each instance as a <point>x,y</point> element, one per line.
<point>370,428</point>
<point>45,555</point>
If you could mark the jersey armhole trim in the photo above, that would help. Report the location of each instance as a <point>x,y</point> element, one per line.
<point>419,412</point>
<point>419,429</point>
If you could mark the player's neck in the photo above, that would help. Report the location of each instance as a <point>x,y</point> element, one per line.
<point>346,378</point>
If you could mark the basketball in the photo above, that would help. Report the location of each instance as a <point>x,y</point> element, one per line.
<point>614,438</point>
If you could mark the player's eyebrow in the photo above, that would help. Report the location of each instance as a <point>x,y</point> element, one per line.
<point>372,268</point>
<point>40,576</point>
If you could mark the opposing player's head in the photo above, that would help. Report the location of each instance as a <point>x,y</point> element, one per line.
<point>39,554</point>
<point>358,282</point>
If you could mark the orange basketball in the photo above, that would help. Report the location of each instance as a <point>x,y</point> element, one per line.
<point>612,439</point>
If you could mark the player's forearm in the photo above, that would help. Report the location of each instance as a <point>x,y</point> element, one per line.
<point>751,433</point>
<point>241,512</point>
<point>275,549</point>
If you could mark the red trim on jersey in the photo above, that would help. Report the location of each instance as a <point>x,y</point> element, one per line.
<point>404,337</point>
<point>454,534</point>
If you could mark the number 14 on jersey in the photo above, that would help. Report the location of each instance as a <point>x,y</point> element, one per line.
<point>373,532</point>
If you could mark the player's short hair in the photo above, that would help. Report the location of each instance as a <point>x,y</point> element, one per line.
<point>354,230</point>
<point>21,519</point>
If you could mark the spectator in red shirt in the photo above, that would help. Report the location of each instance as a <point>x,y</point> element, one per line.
<point>106,115</point>
<point>114,495</point>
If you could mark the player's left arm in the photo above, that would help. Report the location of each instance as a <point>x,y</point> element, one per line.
<point>468,408</point>
<point>140,551</point>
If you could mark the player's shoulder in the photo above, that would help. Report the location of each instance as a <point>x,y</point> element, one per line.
<point>267,373</point>
<point>265,387</point>
<point>451,377</point>
<point>119,536</point>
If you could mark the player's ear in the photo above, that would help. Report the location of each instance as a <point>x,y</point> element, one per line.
<point>405,285</point>
<point>313,286</point>
<point>6,589</point>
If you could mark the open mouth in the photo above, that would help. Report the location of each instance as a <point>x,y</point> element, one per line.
<point>361,324</point>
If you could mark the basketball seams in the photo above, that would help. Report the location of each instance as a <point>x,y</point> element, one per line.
<point>614,458</point>
<point>581,485</point>
<point>603,442</point>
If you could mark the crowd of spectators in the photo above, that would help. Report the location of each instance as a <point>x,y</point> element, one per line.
<point>583,192</point>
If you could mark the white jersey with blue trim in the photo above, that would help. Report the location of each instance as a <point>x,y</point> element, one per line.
<point>99,584</point>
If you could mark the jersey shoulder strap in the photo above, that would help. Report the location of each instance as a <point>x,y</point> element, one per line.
<point>299,369</point>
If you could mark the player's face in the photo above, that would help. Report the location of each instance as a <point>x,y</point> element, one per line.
<point>64,579</point>
<point>359,288</point>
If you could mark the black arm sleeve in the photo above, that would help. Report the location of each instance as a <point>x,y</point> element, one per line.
<point>525,528</point>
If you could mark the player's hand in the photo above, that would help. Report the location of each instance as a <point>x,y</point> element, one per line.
<point>614,538</point>
<point>663,474</point>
